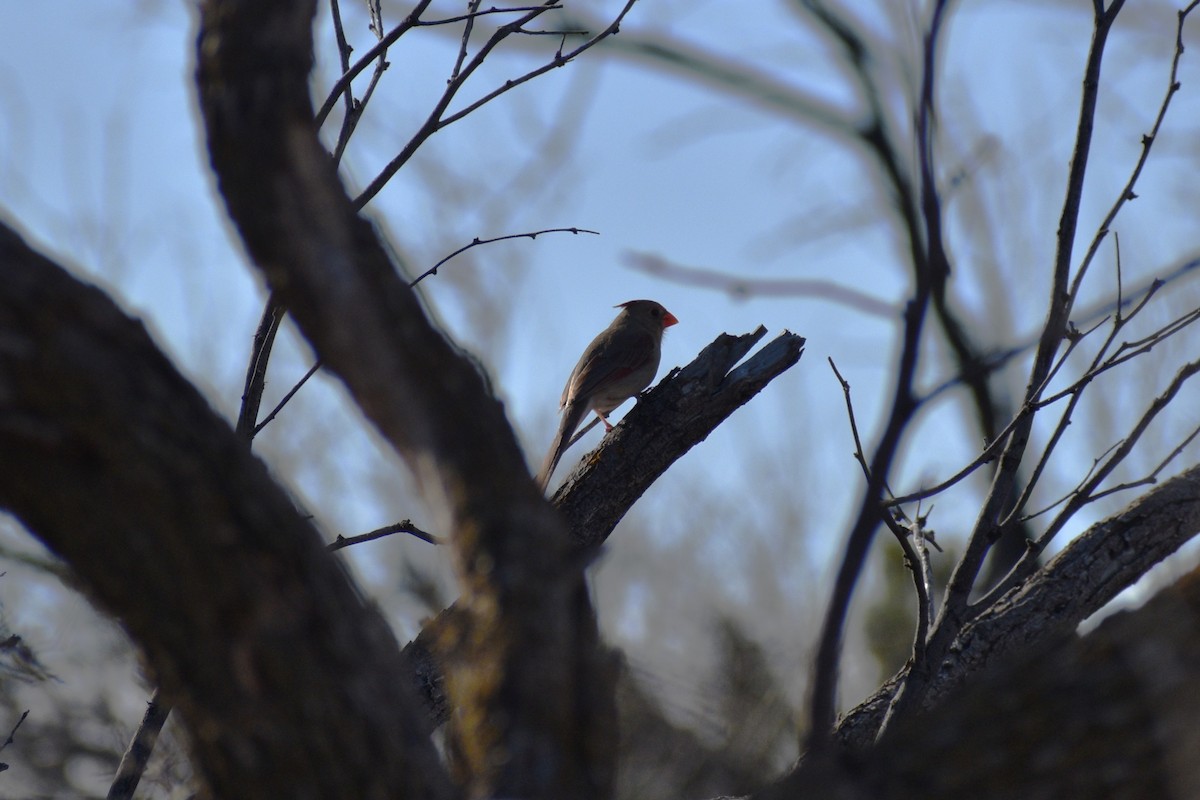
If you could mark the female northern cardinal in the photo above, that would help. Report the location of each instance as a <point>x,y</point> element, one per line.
<point>618,364</point>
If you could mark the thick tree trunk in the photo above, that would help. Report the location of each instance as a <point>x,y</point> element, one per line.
<point>284,676</point>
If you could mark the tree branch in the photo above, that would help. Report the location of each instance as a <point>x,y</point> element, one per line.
<point>1088,573</point>
<point>1111,714</point>
<point>988,528</point>
<point>525,669</point>
<point>120,466</point>
<point>668,421</point>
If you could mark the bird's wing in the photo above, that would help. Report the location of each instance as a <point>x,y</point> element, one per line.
<point>616,356</point>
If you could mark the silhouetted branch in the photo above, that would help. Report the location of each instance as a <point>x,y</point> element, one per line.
<point>404,526</point>
<point>1089,572</point>
<point>440,117</point>
<point>670,419</point>
<point>172,525</point>
<point>739,286</point>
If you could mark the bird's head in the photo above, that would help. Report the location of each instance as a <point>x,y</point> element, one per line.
<point>650,311</point>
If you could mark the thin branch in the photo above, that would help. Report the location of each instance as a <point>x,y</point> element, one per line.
<point>355,110</point>
<point>435,122</point>
<point>12,737</point>
<point>859,456</point>
<point>341,84</point>
<point>403,526</point>
<point>472,12</point>
<point>916,557</point>
<point>429,272</point>
<point>873,135</point>
<point>141,747</point>
<point>476,242</point>
<point>438,118</point>
<point>993,362</point>
<point>344,51</point>
<point>256,372</point>
<point>291,393</point>
<point>1096,462</point>
<point>13,733</point>
<point>1152,477</point>
<point>1148,140</point>
<point>955,612</point>
<point>1125,195</point>
<point>741,287</point>
<point>1119,454</point>
<point>1083,496</point>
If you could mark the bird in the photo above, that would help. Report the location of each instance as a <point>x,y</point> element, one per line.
<point>618,364</point>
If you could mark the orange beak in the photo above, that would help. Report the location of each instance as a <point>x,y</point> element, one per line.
<point>669,319</point>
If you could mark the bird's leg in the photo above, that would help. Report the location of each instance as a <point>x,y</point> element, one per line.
<point>607,425</point>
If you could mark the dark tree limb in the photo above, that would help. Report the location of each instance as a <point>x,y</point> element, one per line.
<point>1112,714</point>
<point>668,421</point>
<point>1089,572</point>
<point>283,675</point>
<point>533,690</point>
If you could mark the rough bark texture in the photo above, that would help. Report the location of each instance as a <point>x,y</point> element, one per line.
<point>284,676</point>
<point>1111,715</point>
<point>1088,573</point>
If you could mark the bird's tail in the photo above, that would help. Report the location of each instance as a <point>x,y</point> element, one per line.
<point>571,417</point>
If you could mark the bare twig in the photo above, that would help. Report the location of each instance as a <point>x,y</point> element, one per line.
<point>1151,477</point>
<point>141,747</point>
<point>283,402</point>
<point>468,26</point>
<point>356,108</point>
<point>904,403</point>
<point>12,737</point>
<point>916,557</point>
<point>344,51</point>
<point>741,287</point>
<point>955,611</point>
<point>342,83</point>
<point>403,526</point>
<point>859,456</point>
<point>256,372</point>
<point>476,242</point>
<point>1148,139</point>
<point>996,361</point>
<point>439,118</point>
<point>1084,495</point>
<point>427,273</point>
<point>413,20</point>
